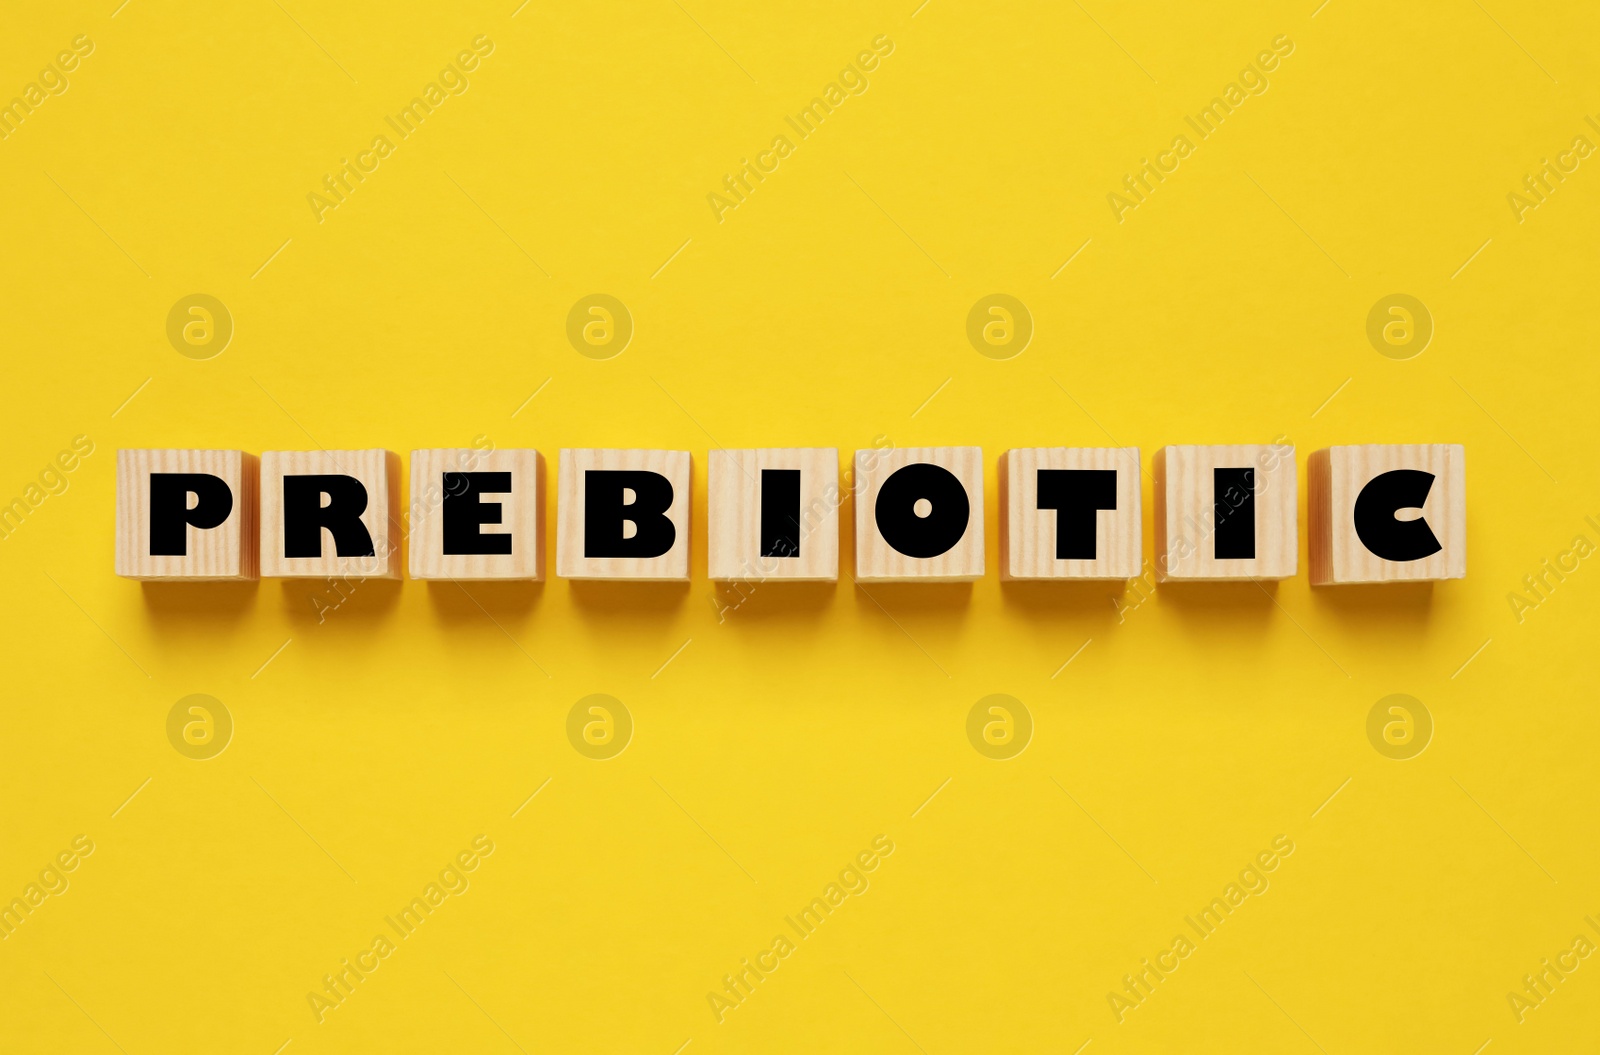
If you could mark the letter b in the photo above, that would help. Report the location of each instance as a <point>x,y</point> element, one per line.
<point>625,514</point>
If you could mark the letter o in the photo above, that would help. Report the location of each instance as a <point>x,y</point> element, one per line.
<point>894,510</point>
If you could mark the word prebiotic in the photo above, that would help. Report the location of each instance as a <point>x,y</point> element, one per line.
<point>1379,513</point>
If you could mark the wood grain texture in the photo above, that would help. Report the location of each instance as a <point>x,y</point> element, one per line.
<point>876,560</point>
<point>1186,508</point>
<point>571,563</point>
<point>1336,475</point>
<point>226,552</point>
<point>734,515</point>
<point>1028,533</point>
<point>379,472</point>
<point>520,515</point>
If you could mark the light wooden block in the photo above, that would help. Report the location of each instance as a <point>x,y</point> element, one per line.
<point>197,539</point>
<point>465,525</point>
<point>774,514</point>
<point>373,552</point>
<point>1202,534</point>
<point>1431,477</point>
<point>605,553</point>
<point>1089,527</point>
<point>944,537</point>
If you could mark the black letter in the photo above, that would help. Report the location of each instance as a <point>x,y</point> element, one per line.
<point>1236,524</point>
<point>605,511</point>
<point>780,512</point>
<point>463,512</point>
<point>919,536</point>
<point>1077,495</point>
<point>304,515</point>
<point>1376,525</point>
<point>170,511</point>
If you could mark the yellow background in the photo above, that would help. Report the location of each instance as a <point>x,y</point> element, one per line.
<point>777,742</point>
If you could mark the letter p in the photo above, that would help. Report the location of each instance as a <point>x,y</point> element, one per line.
<point>171,514</point>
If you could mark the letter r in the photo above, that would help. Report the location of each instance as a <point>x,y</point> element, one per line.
<point>305,516</point>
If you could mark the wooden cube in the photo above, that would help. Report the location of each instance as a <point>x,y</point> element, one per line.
<point>1365,503</point>
<point>774,514</point>
<point>919,514</point>
<point>623,514</point>
<point>1226,512</point>
<point>186,515</point>
<point>327,514</point>
<point>1070,513</point>
<point>476,514</point>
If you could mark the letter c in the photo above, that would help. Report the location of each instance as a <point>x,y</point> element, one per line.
<point>769,968</point>
<point>1375,522</point>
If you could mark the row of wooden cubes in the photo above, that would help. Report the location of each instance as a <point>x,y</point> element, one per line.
<point>1378,513</point>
